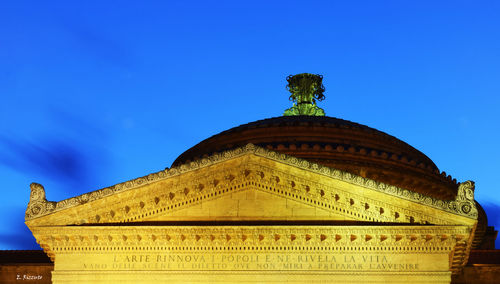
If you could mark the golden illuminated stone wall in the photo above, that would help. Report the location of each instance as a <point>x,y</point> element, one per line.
<point>305,249</point>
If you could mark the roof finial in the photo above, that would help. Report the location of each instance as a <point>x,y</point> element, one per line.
<point>306,89</point>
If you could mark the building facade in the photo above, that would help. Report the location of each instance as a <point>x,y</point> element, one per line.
<point>298,198</point>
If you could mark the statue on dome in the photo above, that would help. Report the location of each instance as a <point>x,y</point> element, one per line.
<point>305,89</point>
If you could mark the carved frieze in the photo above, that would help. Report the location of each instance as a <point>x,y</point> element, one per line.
<point>403,239</point>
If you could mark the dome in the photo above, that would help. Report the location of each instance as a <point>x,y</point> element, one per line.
<point>339,144</point>
<point>305,132</point>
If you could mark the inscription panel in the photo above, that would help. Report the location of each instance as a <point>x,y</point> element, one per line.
<point>254,261</point>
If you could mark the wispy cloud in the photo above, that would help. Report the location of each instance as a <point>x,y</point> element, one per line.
<point>53,158</point>
<point>96,43</point>
<point>70,156</point>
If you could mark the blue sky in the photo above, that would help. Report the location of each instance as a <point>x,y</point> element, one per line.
<point>93,94</point>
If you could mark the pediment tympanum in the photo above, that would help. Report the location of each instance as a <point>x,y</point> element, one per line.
<point>249,204</point>
<point>251,183</point>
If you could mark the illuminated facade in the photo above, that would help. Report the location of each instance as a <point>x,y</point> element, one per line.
<point>299,198</point>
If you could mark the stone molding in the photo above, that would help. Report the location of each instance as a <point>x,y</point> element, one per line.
<point>463,205</point>
<point>400,239</point>
<point>249,175</point>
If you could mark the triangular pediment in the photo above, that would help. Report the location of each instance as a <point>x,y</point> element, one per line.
<point>251,183</point>
<point>250,204</point>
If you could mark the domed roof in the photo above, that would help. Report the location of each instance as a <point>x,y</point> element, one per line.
<point>305,132</point>
<point>339,144</point>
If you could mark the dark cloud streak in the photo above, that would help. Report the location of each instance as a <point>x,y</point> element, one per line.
<point>55,159</point>
<point>69,156</point>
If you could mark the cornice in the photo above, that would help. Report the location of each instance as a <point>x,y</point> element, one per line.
<point>463,205</point>
<point>403,239</point>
